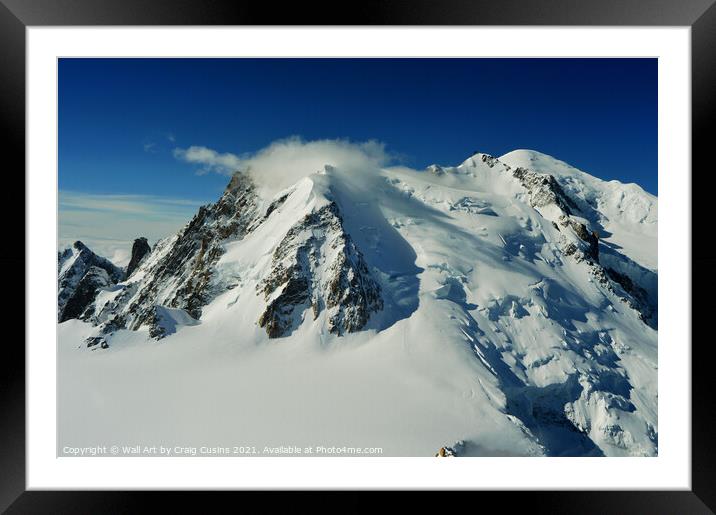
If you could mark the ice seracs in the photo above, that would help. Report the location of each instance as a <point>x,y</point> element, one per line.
<point>507,303</point>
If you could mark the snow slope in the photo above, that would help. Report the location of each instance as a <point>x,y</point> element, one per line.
<point>491,303</point>
<point>626,213</point>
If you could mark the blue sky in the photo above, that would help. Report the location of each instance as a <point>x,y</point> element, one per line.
<point>121,120</point>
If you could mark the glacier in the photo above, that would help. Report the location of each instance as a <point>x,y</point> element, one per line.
<point>507,306</point>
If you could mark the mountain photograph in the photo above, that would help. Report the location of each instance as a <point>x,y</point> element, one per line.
<point>347,275</point>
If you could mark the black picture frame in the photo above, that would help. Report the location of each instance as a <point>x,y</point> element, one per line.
<point>700,15</point>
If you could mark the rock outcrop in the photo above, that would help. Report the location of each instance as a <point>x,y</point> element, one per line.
<point>140,249</point>
<point>318,265</point>
<point>544,190</point>
<point>315,268</point>
<point>85,292</point>
<point>179,272</point>
<point>590,237</point>
<point>74,264</point>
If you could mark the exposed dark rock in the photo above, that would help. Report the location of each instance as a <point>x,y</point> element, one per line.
<point>156,330</point>
<point>63,256</point>
<point>93,341</point>
<point>353,292</point>
<point>85,293</point>
<point>625,282</point>
<point>73,265</point>
<point>450,452</point>
<point>181,275</point>
<point>544,190</point>
<point>489,160</point>
<point>569,249</point>
<point>239,182</point>
<point>616,283</point>
<point>165,321</point>
<point>277,318</point>
<point>140,249</point>
<point>581,230</point>
<point>276,204</point>
<point>590,237</point>
<point>445,452</point>
<point>626,290</point>
<point>346,289</point>
<point>113,324</point>
<point>640,298</point>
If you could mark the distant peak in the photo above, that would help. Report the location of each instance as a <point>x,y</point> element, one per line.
<point>528,155</point>
<point>539,162</point>
<point>140,249</point>
<point>239,181</point>
<point>528,151</point>
<point>79,245</point>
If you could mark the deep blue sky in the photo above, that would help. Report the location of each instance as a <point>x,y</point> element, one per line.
<point>120,119</point>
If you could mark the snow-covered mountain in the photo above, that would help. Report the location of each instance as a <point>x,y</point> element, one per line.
<point>509,304</point>
<point>81,273</point>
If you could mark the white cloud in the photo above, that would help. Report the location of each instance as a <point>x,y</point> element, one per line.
<point>285,161</point>
<point>211,160</point>
<point>109,223</point>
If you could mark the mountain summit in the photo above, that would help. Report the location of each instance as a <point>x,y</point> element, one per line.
<point>508,303</point>
<point>81,273</point>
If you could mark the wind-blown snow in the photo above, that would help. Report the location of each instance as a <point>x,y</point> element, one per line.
<point>492,332</point>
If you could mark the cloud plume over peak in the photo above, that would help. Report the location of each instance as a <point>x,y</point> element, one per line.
<point>285,161</point>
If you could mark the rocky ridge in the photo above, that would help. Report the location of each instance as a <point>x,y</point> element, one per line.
<point>140,249</point>
<point>179,273</point>
<point>348,293</point>
<point>545,190</point>
<point>509,265</point>
<point>80,273</point>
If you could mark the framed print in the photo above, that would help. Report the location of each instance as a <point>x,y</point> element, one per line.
<point>303,251</point>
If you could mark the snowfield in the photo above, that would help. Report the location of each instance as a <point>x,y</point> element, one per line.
<point>506,303</point>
